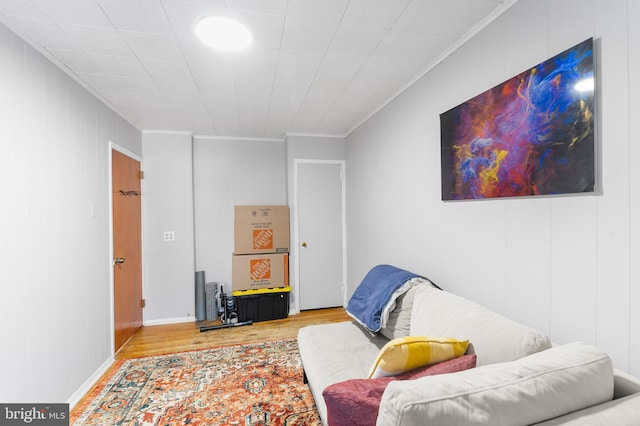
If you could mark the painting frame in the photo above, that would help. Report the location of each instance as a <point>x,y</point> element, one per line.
<point>531,135</point>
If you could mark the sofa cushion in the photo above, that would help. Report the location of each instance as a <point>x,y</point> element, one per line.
<point>336,352</point>
<point>355,402</point>
<point>399,318</point>
<point>522,392</point>
<point>408,353</point>
<point>494,338</point>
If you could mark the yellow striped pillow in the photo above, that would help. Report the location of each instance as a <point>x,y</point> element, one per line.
<point>411,352</point>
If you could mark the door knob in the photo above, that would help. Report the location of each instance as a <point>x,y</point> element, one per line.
<point>118,260</point>
<point>304,244</point>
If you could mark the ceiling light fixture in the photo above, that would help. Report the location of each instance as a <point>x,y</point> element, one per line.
<point>223,33</point>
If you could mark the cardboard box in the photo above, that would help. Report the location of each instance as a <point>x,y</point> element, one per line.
<point>251,272</point>
<point>261,229</point>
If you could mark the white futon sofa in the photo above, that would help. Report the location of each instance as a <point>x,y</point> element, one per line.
<point>520,378</point>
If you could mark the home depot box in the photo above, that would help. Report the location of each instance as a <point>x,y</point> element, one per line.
<point>254,271</point>
<point>261,229</point>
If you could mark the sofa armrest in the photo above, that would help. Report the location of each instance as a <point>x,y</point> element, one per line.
<point>532,389</point>
<point>624,384</point>
<point>619,412</point>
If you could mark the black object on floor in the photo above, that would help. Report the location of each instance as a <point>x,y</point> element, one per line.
<point>217,327</point>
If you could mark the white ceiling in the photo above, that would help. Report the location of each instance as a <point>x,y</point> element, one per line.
<point>316,66</point>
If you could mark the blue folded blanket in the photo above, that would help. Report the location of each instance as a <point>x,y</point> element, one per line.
<point>374,292</point>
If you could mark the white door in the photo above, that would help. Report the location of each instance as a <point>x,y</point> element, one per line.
<point>320,230</point>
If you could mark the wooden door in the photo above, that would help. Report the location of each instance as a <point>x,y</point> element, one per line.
<point>127,247</point>
<point>320,225</point>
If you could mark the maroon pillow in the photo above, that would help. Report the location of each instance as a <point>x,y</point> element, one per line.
<point>355,402</point>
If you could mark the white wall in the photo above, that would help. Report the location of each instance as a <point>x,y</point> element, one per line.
<point>192,189</point>
<point>564,264</point>
<point>55,309</point>
<point>634,178</point>
<point>229,172</point>
<point>167,205</point>
<point>309,147</point>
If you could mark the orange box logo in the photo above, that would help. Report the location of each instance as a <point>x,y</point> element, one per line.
<point>260,269</point>
<point>262,239</point>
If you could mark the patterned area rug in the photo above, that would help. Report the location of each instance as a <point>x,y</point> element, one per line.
<point>248,385</point>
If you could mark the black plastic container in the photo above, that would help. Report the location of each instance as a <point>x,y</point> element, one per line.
<point>259,305</point>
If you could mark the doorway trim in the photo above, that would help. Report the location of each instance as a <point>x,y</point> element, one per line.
<point>296,228</point>
<point>114,146</point>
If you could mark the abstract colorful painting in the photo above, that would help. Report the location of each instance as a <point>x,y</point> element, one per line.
<point>531,135</point>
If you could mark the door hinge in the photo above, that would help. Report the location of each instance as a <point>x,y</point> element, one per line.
<point>140,174</point>
<point>143,303</point>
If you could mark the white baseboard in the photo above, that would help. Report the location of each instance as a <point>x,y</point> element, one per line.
<point>86,386</point>
<point>164,321</point>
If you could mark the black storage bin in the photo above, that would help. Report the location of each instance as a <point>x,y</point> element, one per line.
<point>262,305</point>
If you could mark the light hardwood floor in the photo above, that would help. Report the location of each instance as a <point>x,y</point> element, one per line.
<point>161,339</point>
